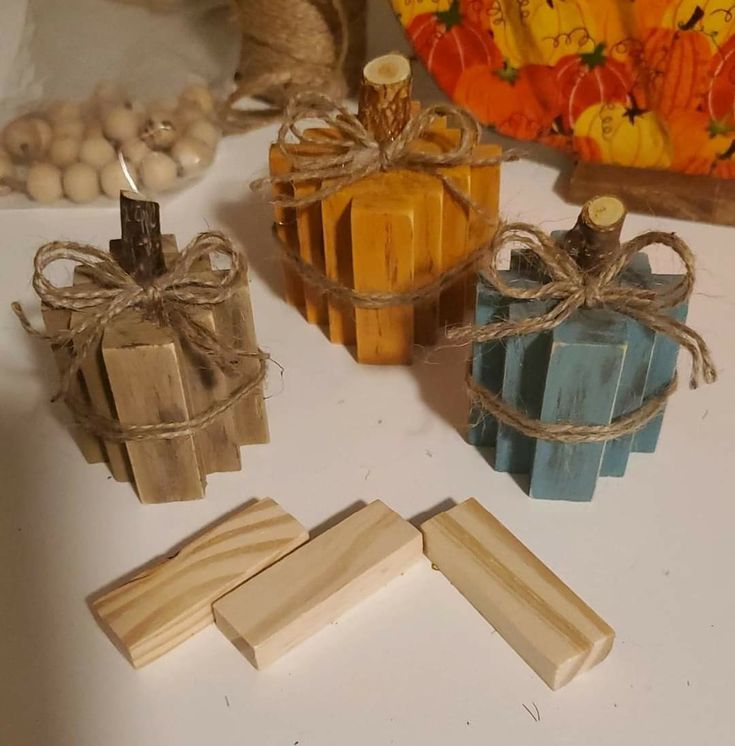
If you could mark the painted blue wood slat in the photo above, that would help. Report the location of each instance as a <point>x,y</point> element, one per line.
<point>660,373</point>
<point>526,361</point>
<point>634,374</point>
<point>585,365</point>
<point>488,358</point>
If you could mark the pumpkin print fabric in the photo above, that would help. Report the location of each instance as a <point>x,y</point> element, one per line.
<point>647,83</point>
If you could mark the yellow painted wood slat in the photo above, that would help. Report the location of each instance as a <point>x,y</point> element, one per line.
<point>285,227</point>
<point>382,255</point>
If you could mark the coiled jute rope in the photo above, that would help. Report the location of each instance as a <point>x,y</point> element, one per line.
<point>289,46</point>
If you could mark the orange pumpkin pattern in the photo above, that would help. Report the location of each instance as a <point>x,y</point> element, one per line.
<point>648,83</point>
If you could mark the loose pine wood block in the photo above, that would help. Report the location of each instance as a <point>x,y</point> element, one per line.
<point>170,600</point>
<point>312,587</point>
<point>382,246</point>
<point>144,366</point>
<point>544,621</point>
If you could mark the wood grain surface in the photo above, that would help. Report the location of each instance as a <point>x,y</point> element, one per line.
<point>170,600</point>
<point>544,621</point>
<point>295,598</point>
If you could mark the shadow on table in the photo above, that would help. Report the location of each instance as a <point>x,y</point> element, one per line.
<point>27,632</point>
<point>439,373</point>
<point>249,220</point>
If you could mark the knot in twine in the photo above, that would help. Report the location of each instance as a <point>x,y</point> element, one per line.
<point>338,160</point>
<point>350,152</point>
<point>289,47</point>
<point>573,288</point>
<point>171,299</point>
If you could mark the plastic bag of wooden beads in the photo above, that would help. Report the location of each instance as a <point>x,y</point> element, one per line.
<point>98,97</point>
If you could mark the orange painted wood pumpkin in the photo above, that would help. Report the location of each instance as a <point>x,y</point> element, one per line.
<point>647,83</point>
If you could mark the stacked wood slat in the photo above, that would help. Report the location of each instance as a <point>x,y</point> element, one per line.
<point>390,232</point>
<point>141,374</point>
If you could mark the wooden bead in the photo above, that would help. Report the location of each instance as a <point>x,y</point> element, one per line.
<point>158,172</point>
<point>114,179</point>
<point>160,129</point>
<point>27,138</point>
<point>69,128</point>
<point>44,131</point>
<point>60,111</point>
<point>120,124</point>
<point>7,172</point>
<point>200,96</point>
<point>134,151</point>
<point>187,114</point>
<point>205,131</point>
<point>81,183</point>
<point>93,128</point>
<point>108,91</point>
<point>96,152</point>
<point>43,183</point>
<point>64,151</point>
<point>165,103</point>
<point>191,155</point>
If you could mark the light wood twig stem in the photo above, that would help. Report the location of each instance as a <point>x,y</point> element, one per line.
<point>385,96</point>
<point>596,236</point>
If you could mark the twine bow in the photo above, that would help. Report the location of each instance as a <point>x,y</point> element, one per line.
<point>171,299</point>
<point>573,288</point>
<point>337,161</point>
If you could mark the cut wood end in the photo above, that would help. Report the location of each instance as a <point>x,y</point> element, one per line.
<point>388,69</point>
<point>127,194</point>
<point>604,212</point>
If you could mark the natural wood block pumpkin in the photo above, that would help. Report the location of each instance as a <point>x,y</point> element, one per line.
<point>139,373</point>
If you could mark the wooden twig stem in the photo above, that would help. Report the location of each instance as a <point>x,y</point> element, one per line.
<point>385,96</point>
<point>140,251</point>
<point>596,234</point>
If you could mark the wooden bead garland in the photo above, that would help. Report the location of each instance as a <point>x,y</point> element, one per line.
<point>78,149</point>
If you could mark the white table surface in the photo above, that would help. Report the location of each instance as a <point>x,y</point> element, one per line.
<point>415,664</point>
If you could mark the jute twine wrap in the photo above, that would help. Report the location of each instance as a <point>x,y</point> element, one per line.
<point>355,155</point>
<point>573,288</point>
<point>290,46</point>
<point>171,300</point>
